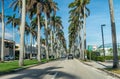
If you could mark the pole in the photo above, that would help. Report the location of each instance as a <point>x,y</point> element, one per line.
<point>103,39</point>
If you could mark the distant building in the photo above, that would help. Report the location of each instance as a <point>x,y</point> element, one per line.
<point>29,50</point>
<point>108,49</point>
<point>8,48</point>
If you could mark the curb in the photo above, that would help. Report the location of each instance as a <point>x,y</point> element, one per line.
<point>108,72</point>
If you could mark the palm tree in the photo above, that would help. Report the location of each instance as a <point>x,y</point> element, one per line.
<point>31,29</point>
<point>86,12</point>
<point>38,13</point>
<point>38,7</point>
<point>22,30</point>
<point>114,41</point>
<point>60,36</point>
<point>3,32</point>
<point>48,7</point>
<point>56,24</point>
<point>12,19</point>
<point>78,13</point>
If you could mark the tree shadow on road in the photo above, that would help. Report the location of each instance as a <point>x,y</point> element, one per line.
<point>40,73</point>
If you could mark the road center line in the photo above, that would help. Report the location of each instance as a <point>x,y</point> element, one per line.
<point>54,76</point>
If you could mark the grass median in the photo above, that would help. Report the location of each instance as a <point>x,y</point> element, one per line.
<point>11,65</point>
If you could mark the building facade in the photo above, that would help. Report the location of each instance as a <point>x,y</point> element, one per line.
<point>9,47</point>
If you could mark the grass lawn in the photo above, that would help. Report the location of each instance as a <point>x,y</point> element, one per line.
<point>116,71</point>
<point>113,70</point>
<point>10,65</point>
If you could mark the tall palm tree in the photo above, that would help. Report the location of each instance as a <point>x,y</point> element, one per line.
<point>3,32</point>
<point>31,30</point>
<point>48,7</point>
<point>114,41</point>
<point>56,24</point>
<point>60,36</point>
<point>78,14</point>
<point>39,7</point>
<point>12,19</point>
<point>86,13</point>
<point>22,30</point>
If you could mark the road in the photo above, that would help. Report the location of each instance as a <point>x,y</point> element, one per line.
<point>61,69</point>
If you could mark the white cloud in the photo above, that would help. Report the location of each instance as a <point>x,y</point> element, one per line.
<point>8,33</point>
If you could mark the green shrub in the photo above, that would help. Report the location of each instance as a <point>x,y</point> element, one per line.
<point>100,58</point>
<point>108,57</point>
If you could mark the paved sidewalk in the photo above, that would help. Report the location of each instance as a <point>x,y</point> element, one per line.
<point>98,64</point>
<point>101,66</point>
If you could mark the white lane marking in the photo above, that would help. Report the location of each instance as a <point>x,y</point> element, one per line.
<point>54,76</point>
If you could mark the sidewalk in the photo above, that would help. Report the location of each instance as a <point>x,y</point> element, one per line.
<point>98,64</point>
<point>101,66</point>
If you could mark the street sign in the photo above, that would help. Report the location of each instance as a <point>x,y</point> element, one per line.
<point>90,47</point>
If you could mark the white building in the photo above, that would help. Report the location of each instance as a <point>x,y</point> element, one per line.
<point>108,49</point>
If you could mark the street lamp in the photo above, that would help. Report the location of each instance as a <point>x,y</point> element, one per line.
<point>103,39</point>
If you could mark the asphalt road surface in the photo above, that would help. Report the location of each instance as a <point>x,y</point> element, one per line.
<point>61,69</point>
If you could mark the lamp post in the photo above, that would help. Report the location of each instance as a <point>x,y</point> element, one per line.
<point>103,39</point>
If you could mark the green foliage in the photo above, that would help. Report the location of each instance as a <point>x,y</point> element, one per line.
<point>93,55</point>
<point>10,65</point>
<point>100,58</point>
<point>108,57</point>
<point>96,56</point>
<point>7,66</point>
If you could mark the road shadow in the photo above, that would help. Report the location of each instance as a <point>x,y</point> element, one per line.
<point>40,73</point>
<point>104,65</point>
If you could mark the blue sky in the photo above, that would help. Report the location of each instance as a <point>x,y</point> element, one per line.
<point>99,14</point>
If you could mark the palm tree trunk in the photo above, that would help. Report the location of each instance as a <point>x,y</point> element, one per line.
<point>13,41</point>
<point>57,51</point>
<point>54,41</point>
<point>51,35</point>
<point>84,30</point>
<point>30,46</point>
<point>3,33</point>
<point>22,30</point>
<point>79,43</point>
<point>114,41</point>
<point>38,40</point>
<point>27,47</point>
<point>46,41</point>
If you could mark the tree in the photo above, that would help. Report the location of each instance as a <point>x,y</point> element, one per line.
<point>61,43</point>
<point>56,24</point>
<point>78,14</point>
<point>114,41</point>
<point>3,32</point>
<point>12,19</point>
<point>86,13</point>
<point>48,7</point>
<point>22,30</point>
<point>31,30</point>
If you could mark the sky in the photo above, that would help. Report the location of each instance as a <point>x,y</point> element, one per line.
<point>99,14</point>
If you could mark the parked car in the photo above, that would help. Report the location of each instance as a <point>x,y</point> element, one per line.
<point>7,58</point>
<point>70,56</point>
